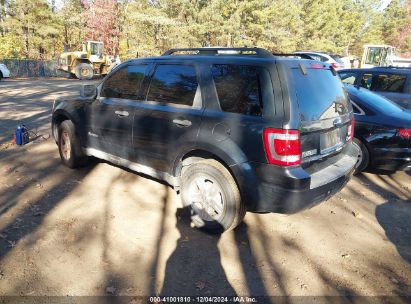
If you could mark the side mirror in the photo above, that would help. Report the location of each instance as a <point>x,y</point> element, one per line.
<point>88,91</point>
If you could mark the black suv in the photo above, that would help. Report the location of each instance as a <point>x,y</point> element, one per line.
<point>232,129</point>
<point>391,82</point>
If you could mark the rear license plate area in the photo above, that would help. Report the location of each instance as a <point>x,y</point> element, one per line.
<point>330,141</point>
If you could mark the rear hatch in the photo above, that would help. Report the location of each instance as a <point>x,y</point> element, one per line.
<point>323,113</point>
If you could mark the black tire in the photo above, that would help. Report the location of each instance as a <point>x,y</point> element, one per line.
<point>70,150</point>
<point>363,157</point>
<point>212,175</point>
<point>1,76</point>
<point>84,71</point>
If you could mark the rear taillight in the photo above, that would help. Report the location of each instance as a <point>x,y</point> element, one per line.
<point>334,65</point>
<point>282,147</point>
<point>350,130</point>
<point>405,133</point>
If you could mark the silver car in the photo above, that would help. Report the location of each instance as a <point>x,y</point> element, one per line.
<point>333,59</point>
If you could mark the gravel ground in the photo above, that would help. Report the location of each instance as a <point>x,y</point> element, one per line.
<point>103,230</point>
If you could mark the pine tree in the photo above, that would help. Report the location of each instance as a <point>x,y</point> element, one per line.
<point>33,22</point>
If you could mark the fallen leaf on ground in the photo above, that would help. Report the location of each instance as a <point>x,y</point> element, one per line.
<point>303,286</point>
<point>357,214</point>
<point>345,255</point>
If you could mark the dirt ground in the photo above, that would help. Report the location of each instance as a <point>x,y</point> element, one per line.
<point>103,230</point>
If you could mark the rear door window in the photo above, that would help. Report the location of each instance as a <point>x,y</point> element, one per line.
<point>173,83</point>
<point>124,83</point>
<point>238,88</point>
<point>384,82</point>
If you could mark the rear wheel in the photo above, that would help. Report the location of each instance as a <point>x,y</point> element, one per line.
<point>70,150</point>
<point>363,157</point>
<point>84,71</point>
<point>213,196</point>
<point>1,75</point>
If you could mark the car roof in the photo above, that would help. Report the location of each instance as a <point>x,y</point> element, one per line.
<point>397,70</point>
<point>318,52</point>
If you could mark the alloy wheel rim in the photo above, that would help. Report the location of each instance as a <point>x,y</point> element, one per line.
<point>65,145</point>
<point>206,198</point>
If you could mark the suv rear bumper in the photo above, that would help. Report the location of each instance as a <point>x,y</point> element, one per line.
<point>288,190</point>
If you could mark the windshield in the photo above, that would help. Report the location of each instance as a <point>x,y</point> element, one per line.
<point>96,48</point>
<point>374,101</point>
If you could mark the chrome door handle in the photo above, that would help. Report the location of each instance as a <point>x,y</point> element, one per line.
<point>121,113</point>
<point>182,123</point>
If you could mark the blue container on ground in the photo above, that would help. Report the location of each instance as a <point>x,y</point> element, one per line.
<point>22,135</point>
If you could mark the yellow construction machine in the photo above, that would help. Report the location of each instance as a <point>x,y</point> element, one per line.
<point>89,62</point>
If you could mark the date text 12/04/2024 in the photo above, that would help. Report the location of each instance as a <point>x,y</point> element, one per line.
<point>203,299</point>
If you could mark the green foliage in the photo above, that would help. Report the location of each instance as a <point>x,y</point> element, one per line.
<point>72,22</point>
<point>31,28</point>
<point>35,24</point>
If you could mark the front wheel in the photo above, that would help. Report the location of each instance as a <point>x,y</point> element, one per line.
<point>213,196</point>
<point>68,142</point>
<point>84,71</point>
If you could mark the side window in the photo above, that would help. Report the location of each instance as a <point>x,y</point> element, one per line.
<point>388,83</point>
<point>124,83</point>
<point>366,81</point>
<point>238,88</point>
<point>315,57</point>
<point>356,108</point>
<point>348,77</point>
<point>323,58</point>
<point>173,84</point>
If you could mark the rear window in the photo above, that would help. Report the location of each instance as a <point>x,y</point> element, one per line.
<point>384,82</point>
<point>320,94</point>
<point>378,102</point>
<point>238,88</point>
<point>173,83</point>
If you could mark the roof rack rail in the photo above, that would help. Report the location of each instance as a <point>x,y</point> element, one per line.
<point>260,52</point>
<point>303,56</point>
